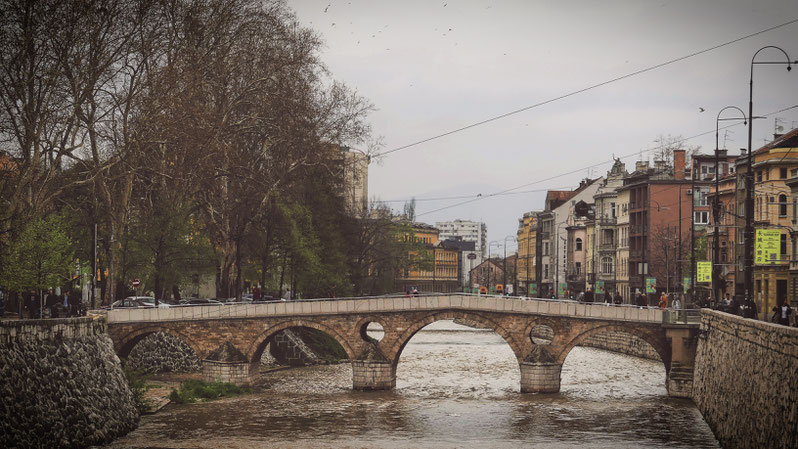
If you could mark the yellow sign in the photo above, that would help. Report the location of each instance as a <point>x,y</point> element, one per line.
<point>767,250</point>
<point>703,271</point>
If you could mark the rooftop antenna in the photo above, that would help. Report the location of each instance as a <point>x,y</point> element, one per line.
<point>726,137</point>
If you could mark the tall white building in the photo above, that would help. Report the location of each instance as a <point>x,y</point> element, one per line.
<point>465,230</point>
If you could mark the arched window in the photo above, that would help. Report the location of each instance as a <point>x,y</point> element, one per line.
<point>606,265</point>
<point>578,244</point>
<point>782,205</point>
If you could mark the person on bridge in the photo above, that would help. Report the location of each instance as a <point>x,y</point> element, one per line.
<point>287,294</point>
<point>618,298</point>
<point>663,301</point>
<point>781,313</point>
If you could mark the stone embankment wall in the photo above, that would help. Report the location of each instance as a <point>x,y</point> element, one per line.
<point>623,343</point>
<point>610,341</point>
<point>61,385</point>
<point>159,352</point>
<point>745,379</point>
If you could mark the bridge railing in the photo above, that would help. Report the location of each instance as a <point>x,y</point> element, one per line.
<point>682,316</point>
<point>392,303</point>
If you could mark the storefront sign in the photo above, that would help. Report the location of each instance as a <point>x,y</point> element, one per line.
<point>768,246</point>
<point>703,271</point>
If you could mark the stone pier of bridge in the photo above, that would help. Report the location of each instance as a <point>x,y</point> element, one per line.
<point>242,332</point>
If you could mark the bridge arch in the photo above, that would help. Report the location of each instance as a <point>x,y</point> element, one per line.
<point>394,350</point>
<point>129,341</point>
<point>656,341</point>
<point>256,348</point>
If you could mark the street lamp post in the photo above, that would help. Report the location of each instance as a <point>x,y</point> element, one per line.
<point>504,275</point>
<point>490,245</point>
<point>749,175</point>
<point>716,203</point>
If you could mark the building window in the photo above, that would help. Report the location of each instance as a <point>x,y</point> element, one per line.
<point>782,205</point>
<point>701,217</point>
<point>783,172</point>
<point>578,245</point>
<point>759,176</point>
<point>702,197</point>
<point>606,265</point>
<point>546,271</point>
<point>612,210</point>
<point>578,268</point>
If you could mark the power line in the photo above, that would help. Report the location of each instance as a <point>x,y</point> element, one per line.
<point>460,197</point>
<point>502,192</point>
<point>585,89</point>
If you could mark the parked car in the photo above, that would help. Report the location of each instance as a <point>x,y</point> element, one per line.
<point>133,302</point>
<point>150,300</point>
<point>200,302</point>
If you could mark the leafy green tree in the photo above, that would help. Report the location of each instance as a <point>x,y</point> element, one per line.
<point>40,257</point>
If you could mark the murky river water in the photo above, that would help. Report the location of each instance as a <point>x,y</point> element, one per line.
<point>456,387</point>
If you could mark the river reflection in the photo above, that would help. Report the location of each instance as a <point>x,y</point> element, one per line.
<point>456,387</point>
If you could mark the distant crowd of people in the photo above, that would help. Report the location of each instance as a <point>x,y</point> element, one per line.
<point>31,305</point>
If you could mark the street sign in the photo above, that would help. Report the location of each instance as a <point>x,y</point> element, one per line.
<point>703,271</point>
<point>136,282</point>
<point>599,288</point>
<point>533,288</point>
<point>471,256</point>
<point>768,246</point>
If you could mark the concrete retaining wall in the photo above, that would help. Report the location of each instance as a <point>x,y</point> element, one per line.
<point>62,385</point>
<point>746,381</point>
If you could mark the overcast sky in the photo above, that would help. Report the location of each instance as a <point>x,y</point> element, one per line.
<point>431,67</point>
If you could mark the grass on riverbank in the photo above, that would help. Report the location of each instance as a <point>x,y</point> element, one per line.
<point>192,390</point>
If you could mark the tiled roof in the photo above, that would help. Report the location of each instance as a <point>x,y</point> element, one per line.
<point>789,140</point>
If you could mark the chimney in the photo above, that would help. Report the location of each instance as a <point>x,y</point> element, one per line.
<point>660,166</point>
<point>641,165</point>
<point>678,164</point>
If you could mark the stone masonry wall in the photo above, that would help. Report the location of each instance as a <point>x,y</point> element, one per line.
<point>745,379</point>
<point>62,385</point>
<point>161,352</point>
<point>611,341</point>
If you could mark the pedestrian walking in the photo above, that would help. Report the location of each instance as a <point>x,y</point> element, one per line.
<point>781,313</point>
<point>51,302</point>
<point>33,304</point>
<point>287,294</point>
<point>618,298</point>
<point>74,303</point>
<point>663,301</point>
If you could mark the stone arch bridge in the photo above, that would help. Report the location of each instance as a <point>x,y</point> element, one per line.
<point>248,328</point>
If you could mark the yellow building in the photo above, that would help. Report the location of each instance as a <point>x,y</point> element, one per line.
<point>527,242</point>
<point>435,268</point>
<point>773,165</point>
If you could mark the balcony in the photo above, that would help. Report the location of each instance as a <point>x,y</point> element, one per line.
<point>606,221</point>
<point>607,247</point>
<point>573,277</point>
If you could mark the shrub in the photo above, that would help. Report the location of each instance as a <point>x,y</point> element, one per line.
<point>192,390</point>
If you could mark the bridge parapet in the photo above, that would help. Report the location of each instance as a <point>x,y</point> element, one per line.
<point>391,304</point>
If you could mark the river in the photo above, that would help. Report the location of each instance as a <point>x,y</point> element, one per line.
<point>456,387</point>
